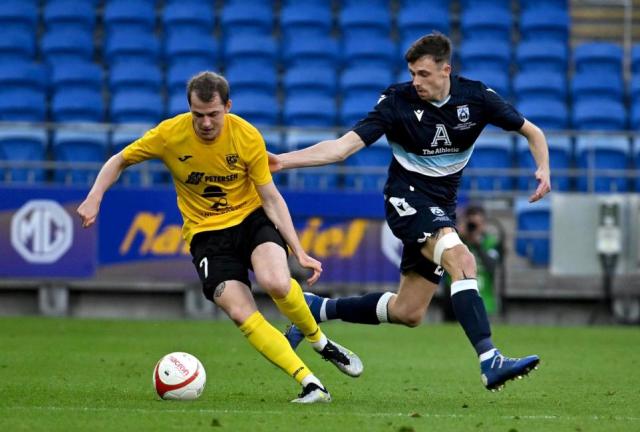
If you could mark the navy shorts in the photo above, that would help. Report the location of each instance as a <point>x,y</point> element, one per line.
<point>413,217</point>
<point>225,254</point>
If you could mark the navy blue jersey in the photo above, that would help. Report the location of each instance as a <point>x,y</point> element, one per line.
<point>431,145</point>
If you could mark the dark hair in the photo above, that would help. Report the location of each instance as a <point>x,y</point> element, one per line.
<point>474,209</point>
<point>206,85</point>
<point>435,45</point>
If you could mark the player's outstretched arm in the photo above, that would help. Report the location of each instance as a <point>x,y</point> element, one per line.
<point>540,151</point>
<point>276,209</point>
<point>322,153</point>
<point>109,173</point>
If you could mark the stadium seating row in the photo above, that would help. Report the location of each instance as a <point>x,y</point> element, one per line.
<point>604,158</point>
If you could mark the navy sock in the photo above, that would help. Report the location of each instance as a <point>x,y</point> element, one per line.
<point>360,309</point>
<point>472,316</point>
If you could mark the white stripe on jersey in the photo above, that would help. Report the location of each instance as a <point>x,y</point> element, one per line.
<point>432,166</point>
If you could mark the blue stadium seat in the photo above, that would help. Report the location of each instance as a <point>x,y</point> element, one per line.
<point>137,106</point>
<point>177,104</point>
<point>376,3</point>
<point>131,45</point>
<point>17,45</point>
<point>18,16</point>
<point>560,158</point>
<point>545,23</point>
<point>310,50</point>
<point>478,5</point>
<point>67,45</point>
<point>491,22</point>
<point>79,146</point>
<point>145,173</point>
<point>533,225</point>
<point>316,17</point>
<point>23,105</point>
<point>635,114</point>
<point>545,113</point>
<point>490,152</point>
<point>179,74</point>
<point>129,15</point>
<point>599,115</point>
<point>497,80</point>
<point>554,4</point>
<point>540,84</point>
<point>635,59</point>
<point>308,110</point>
<point>22,144</point>
<point>77,75</point>
<point>258,109</point>
<point>603,152</point>
<point>485,54</point>
<point>242,79</point>
<point>372,51</point>
<point>634,88</point>
<point>597,86</point>
<point>547,56</point>
<point>134,75</point>
<point>364,80</point>
<point>191,45</point>
<point>636,163</point>
<point>274,140</point>
<point>598,56</point>
<point>77,105</point>
<point>356,106</point>
<point>418,19</point>
<point>70,14</point>
<point>320,178</point>
<point>250,51</point>
<point>22,75</point>
<point>189,16</point>
<point>434,3</point>
<point>369,167</point>
<point>238,18</point>
<point>317,80</point>
<point>358,20</point>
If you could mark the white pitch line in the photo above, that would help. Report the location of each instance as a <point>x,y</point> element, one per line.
<point>358,414</point>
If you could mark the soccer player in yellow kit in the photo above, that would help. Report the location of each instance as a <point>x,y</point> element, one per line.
<point>234,220</point>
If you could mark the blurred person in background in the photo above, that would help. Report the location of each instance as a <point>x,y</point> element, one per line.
<point>487,249</point>
<point>235,220</point>
<point>431,123</point>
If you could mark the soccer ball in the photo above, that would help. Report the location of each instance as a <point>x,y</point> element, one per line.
<point>179,376</point>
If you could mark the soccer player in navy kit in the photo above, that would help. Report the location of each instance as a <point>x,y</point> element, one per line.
<point>431,124</point>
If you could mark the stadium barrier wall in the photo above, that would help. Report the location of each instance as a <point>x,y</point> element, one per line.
<point>137,245</point>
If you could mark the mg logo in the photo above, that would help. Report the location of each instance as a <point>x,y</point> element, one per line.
<point>41,231</point>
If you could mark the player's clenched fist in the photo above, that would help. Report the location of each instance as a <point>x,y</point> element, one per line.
<point>88,211</point>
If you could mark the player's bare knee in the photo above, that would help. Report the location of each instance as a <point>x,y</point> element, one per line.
<point>238,313</point>
<point>410,317</point>
<point>414,319</point>
<point>276,284</point>
<point>459,262</point>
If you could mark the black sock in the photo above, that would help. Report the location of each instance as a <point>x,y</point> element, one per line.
<point>360,309</point>
<point>471,314</point>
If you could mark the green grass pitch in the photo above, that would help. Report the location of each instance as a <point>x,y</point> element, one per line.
<point>95,375</point>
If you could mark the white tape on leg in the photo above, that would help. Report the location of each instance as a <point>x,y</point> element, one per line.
<point>382,307</point>
<point>447,241</point>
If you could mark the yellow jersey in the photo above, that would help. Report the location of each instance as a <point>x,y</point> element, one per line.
<point>215,181</point>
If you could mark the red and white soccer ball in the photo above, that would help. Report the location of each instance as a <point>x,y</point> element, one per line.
<point>179,376</point>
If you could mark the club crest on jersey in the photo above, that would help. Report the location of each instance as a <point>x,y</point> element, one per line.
<point>437,211</point>
<point>463,113</point>
<point>232,160</point>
